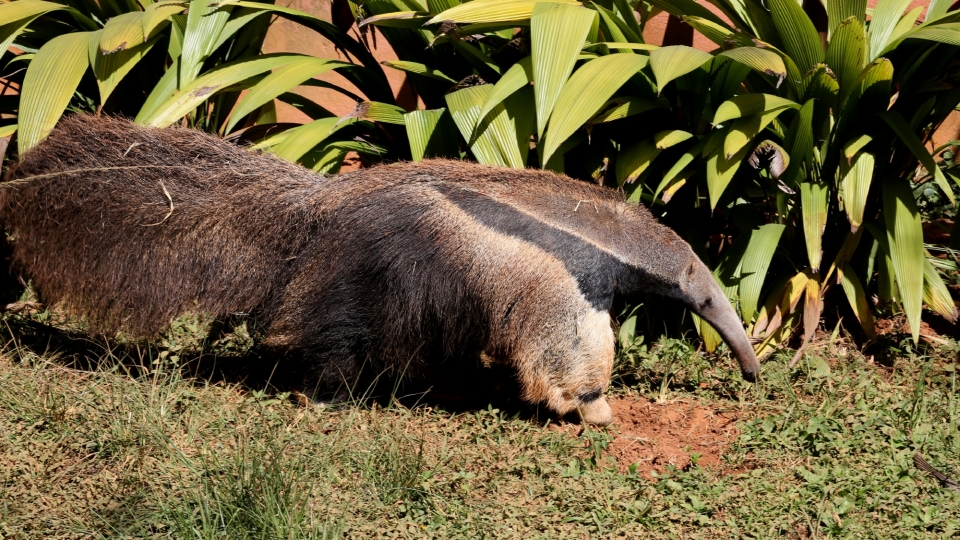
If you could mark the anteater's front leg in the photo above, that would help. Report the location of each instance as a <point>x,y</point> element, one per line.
<point>566,360</point>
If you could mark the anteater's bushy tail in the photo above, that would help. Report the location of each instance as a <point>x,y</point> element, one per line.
<point>131,226</point>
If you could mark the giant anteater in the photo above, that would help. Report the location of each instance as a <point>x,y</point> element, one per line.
<point>403,264</point>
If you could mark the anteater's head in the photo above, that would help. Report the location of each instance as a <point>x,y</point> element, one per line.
<point>695,286</point>
<point>662,263</point>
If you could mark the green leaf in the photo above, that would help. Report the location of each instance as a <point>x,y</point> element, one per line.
<point>585,93</point>
<point>669,63</point>
<point>51,79</point>
<point>205,21</point>
<point>302,139</point>
<point>111,68</point>
<point>800,39</point>
<point>814,199</point>
<point>886,15</point>
<point>419,69</point>
<point>156,14</point>
<point>633,160</point>
<point>941,33</point>
<point>161,92</point>
<point>464,106</point>
<point>397,19</point>
<point>905,238</point>
<point>839,11</point>
<point>622,107</point>
<point>670,137</point>
<point>558,32</point>
<point>429,135</point>
<point>857,298</point>
<point>631,46</point>
<point>280,81</point>
<point>911,141</point>
<point>750,104</point>
<point>937,9</point>
<point>618,30</point>
<point>679,166</point>
<point>855,187</point>
<point>195,93</point>
<point>855,145</point>
<point>717,33</point>
<point>905,24</point>
<point>518,76</point>
<point>744,129</point>
<point>380,112</point>
<point>720,171</point>
<point>122,32</point>
<point>761,60</point>
<point>756,260</point>
<point>16,16</point>
<point>847,53</point>
<point>510,125</point>
<point>935,293</point>
<point>799,143</point>
<point>13,12</point>
<point>489,11</point>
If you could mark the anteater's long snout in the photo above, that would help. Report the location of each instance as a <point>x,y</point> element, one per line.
<point>721,315</point>
<point>705,298</point>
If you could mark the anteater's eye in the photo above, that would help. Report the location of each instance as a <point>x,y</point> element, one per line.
<point>589,396</point>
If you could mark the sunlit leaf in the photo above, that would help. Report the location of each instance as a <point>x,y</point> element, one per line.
<point>158,13</point>
<point>633,160</point>
<point>670,137</point>
<point>558,32</point>
<point>518,76</point>
<point>886,15</point>
<point>857,298</point>
<point>177,106</point>
<point>464,105</point>
<point>756,260</point>
<point>48,85</point>
<point>935,293</point>
<point>749,104</point>
<point>855,187</point>
<point>429,135</point>
<point>814,198</point>
<point>302,139</point>
<point>674,61</point>
<point>762,60</point>
<point>621,107</point>
<point>800,39</point>
<point>281,80</point>
<point>905,239</point>
<point>205,21</point>
<point>847,53</point>
<point>585,93</point>
<point>419,69</point>
<point>745,128</point>
<point>111,68</point>
<point>481,11</point>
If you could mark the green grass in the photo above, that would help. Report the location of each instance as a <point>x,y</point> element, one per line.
<point>115,452</point>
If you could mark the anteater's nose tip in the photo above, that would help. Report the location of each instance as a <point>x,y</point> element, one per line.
<point>751,374</point>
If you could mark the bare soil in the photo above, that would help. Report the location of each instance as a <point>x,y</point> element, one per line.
<point>657,435</point>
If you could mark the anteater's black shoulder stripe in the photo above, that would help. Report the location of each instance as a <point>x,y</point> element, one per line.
<point>593,268</point>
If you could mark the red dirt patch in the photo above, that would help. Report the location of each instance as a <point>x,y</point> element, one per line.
<point>655,435</point>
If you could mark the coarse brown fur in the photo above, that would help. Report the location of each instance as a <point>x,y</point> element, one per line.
<point>404,264</point>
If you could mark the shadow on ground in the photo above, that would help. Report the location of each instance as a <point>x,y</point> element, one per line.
<point>454,388</point>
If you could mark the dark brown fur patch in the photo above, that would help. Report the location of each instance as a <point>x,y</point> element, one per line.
<point>401,264</point>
